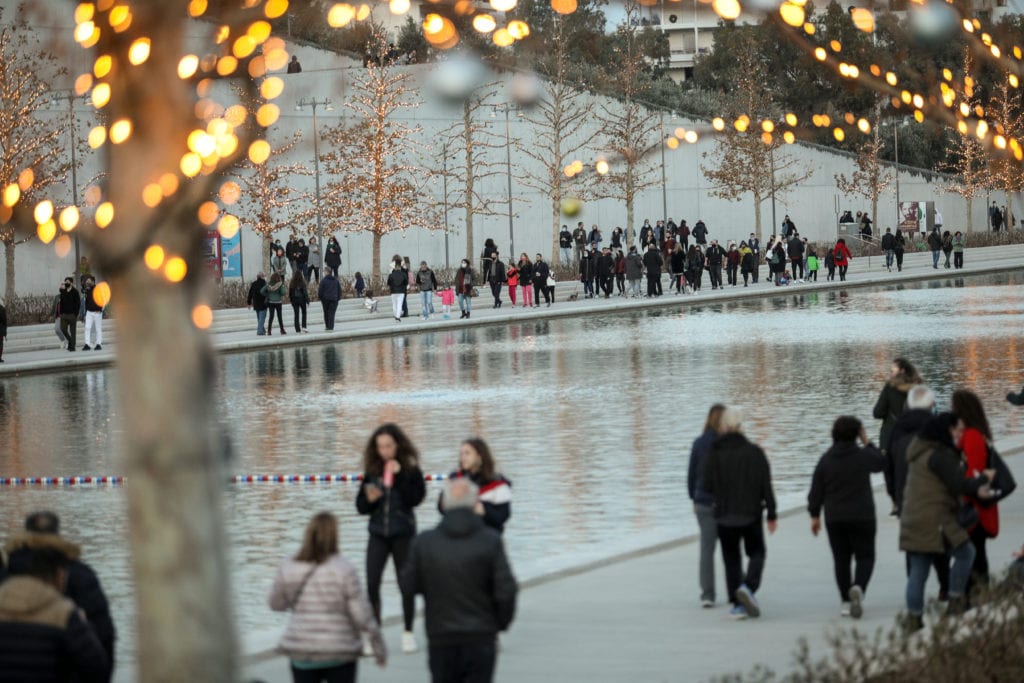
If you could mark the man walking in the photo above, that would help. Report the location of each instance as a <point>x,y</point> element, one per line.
<point>634,271</point>
<point>713,257</point>
<point>739,477</point>
<point>541,273</point>
<point>842,485</point>
<point>329,293</point>
<point>70,304</point>
<point>889,247</point>
<point>653,263</point>
<point>565,244</point>
<point>93,316</point>
<point>257,301</point>
<point>795,251</point>
<point>755,248</point>
<point>605,271</point>
<point>579,238</point>
<point>497,278</point>
<point>700,232</point>
<point>468,588</point>
<point>935,245</point>
<point>427,282</point>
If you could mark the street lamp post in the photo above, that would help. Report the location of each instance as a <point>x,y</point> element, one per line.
<point>506,107</point>
<point>771,161</point>
<point>70,96</point>
<point>664,193</point>
<point>314,103</point>
<point>444,190</point>
<point>896,150</point>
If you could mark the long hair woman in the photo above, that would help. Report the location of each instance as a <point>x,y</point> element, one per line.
<point>392,487</point>
<point>477,464</point>
<point>329,609</point>
<point>975,445</point>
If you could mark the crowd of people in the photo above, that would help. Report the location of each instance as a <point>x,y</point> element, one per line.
<point>942,472</point>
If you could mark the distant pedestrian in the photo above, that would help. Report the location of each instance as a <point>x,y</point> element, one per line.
<point>704,503</point>
<point>3,329</point>
<point>812,264</point>
<point>370,302</point>
<point>398,285</point>
<point>316,261</point>
<point>55,314</point>
<point>605,270</point>
<point>92,316</point>
<point>298,295</point>
<point>634,272</point>
<point>830,264</point>
<point>841,484</point>
<point>713,258</point>
<point>486,259</point>
<point>695,268</point>
<point>512,279</point>
<point>302,259</point>
<point>934,240</point>
<point>330,612</point>
<point>929,522</point>
<point>947,248</point>
<point>738,475</point>
<point>81,583</point>
<point>279,264</point>
<point>700,232</point>
<point>464,288</point>
<point>257,301</point>
<point>70,304</point>
<point>275,291</point>
<point>447,301</point>
<point>468,588</point>
<point>392,488</point>
<point>494,502</point>
<point>426,280</point>
<point>359,284</point>
<point>565,246</point>
<point>795,251</point>
<point>889,248</point>
<point>748,262</point>
<point>677,261</point>
<point>497,278</point>
<point>619,268</point>
<point>899,247</point>
<point>995,217</point>
<point>579,239</point>
<point>958,250</point>
<point>902,376</point>
<point>842,258</point>
<point>294,67</point>
<point>732,263</point>
<point>653,263</point>
<point>526,280</point>
<point>755,248</point>
<point>43,635</point>
<point>329,293</point>
<point>332,255</point>
<point>541,273</point>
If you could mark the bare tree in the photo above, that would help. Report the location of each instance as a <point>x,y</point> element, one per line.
<point>31,152</point>
<point>471,142</point>
<point>966,154</point>
<point>562,121</point>
<point>746,160</point>
<point>1007,117</point>
<point>630,127</point>
<point>377,187</point>
<point>870,179</point>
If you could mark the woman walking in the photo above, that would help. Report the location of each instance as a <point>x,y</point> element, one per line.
<point>677,261</point>
<point>464,288</point>
<point>889,406</point>
<point>842,486</point>
<point>526,279</point>
<point>899,246</point>
<point>298,295</point>
<point>732,263</point>
<point>332,254</point>
<point>704,502</point>
<point>747,262</point>
<point>494,502</point>
<point>329,609</point>
<point>392,487</point>
<point>619,268</point>
<point>398,285</point>
<point>975,445</point>
<point>274,291</point>
<point>842,257</point>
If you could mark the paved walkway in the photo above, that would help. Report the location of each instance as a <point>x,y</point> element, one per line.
<point>34,348</point>
<point>639,619</point>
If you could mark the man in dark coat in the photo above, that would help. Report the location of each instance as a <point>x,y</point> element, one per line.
<point>714,256</point>
<point>257,301</point>
<point>81,585</point>
<point>468,588</point>
<point>653,263</point>
<point>70,304</point>
<point>43,635</point>
<point>700,232</point>
<point>587,259</point>
<point>795,251</point>
<point>497,278</point>
<point>541,273</point>
<point>605,271</point>
<point>329,293</point>
<point>739,477</point>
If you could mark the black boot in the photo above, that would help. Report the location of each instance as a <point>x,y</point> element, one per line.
<point>467,314</point>
<point>1016,399</point>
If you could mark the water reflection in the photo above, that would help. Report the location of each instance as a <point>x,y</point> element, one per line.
<point>590,418</point>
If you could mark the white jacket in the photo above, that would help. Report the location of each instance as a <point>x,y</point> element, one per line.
<point>331,613</point>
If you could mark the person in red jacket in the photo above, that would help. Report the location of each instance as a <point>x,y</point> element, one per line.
<point>975,447</point>
<point>512,278</point>
<point>842,257</point>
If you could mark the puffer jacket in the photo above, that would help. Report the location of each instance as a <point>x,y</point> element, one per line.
<point>274,293</point>
<point>634,266</point>
<point>44,639</point>
<point>935,482</point>
<point>889,406</point>
<point>392,515</point>
<point>330,613</point>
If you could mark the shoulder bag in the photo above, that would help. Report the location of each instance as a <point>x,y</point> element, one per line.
<point>1004,483</point>
<point>302,586</point>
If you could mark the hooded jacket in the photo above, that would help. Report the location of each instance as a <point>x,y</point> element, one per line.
<point>82,586</point>
<point>398,281</point>
<point>889,405</point>
<point>842,483</point>
<point>698,458</point>
<point>274,292</point>
<point>330,610</point>
<point>43,637</point>
<point>739,477</point>
<point>935,483</point>
<point>634,266</point>
<point>462,571</point>
<point>392,515</point>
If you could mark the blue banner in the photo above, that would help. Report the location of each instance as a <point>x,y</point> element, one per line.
<point>231,256</point>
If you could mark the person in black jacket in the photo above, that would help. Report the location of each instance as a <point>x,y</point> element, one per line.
<point>739,477</point>
<point>842,485</point>
<point>43,635</point>
<point>713,258</point>
<point>258,302</point>
<point>497,278</point>
<point>587,268</point>
<point>565,245</point>
<point>604,269</point>
<point>653,263</point>
<point>477,464</point>
<point>298,295</point>
<point>70,304</point>
<point>81,584</point>
<point>392,487</point>
<point>398,285</point>
<point>541,272</point>
<point>468,588</point>
<point>795,251</point>
<point>704,502</point>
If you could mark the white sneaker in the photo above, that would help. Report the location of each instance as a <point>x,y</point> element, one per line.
<point>409,644</point>
<point>844,610</point>
<point>367,646</point>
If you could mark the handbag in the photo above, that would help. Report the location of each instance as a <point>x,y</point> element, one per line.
<point>551,281</point>
<point>967,516</point>
<point>1003,484</point>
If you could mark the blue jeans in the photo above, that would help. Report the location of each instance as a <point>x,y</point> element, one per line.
<point>935,259</point>
<point>427,299</point>
<point>921,565</point>
<point>465,303</point>
<point>566,255</point>
<point>889,254</point>
<point>261,319</point>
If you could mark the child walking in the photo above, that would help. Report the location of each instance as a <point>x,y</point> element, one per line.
<point>830,264</point>
<point>812,265</point>
<point>360,285</point>
<point>448,300</point>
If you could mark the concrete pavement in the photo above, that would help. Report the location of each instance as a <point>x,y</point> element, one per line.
<point>34,348</point>
<point>638,617</point>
